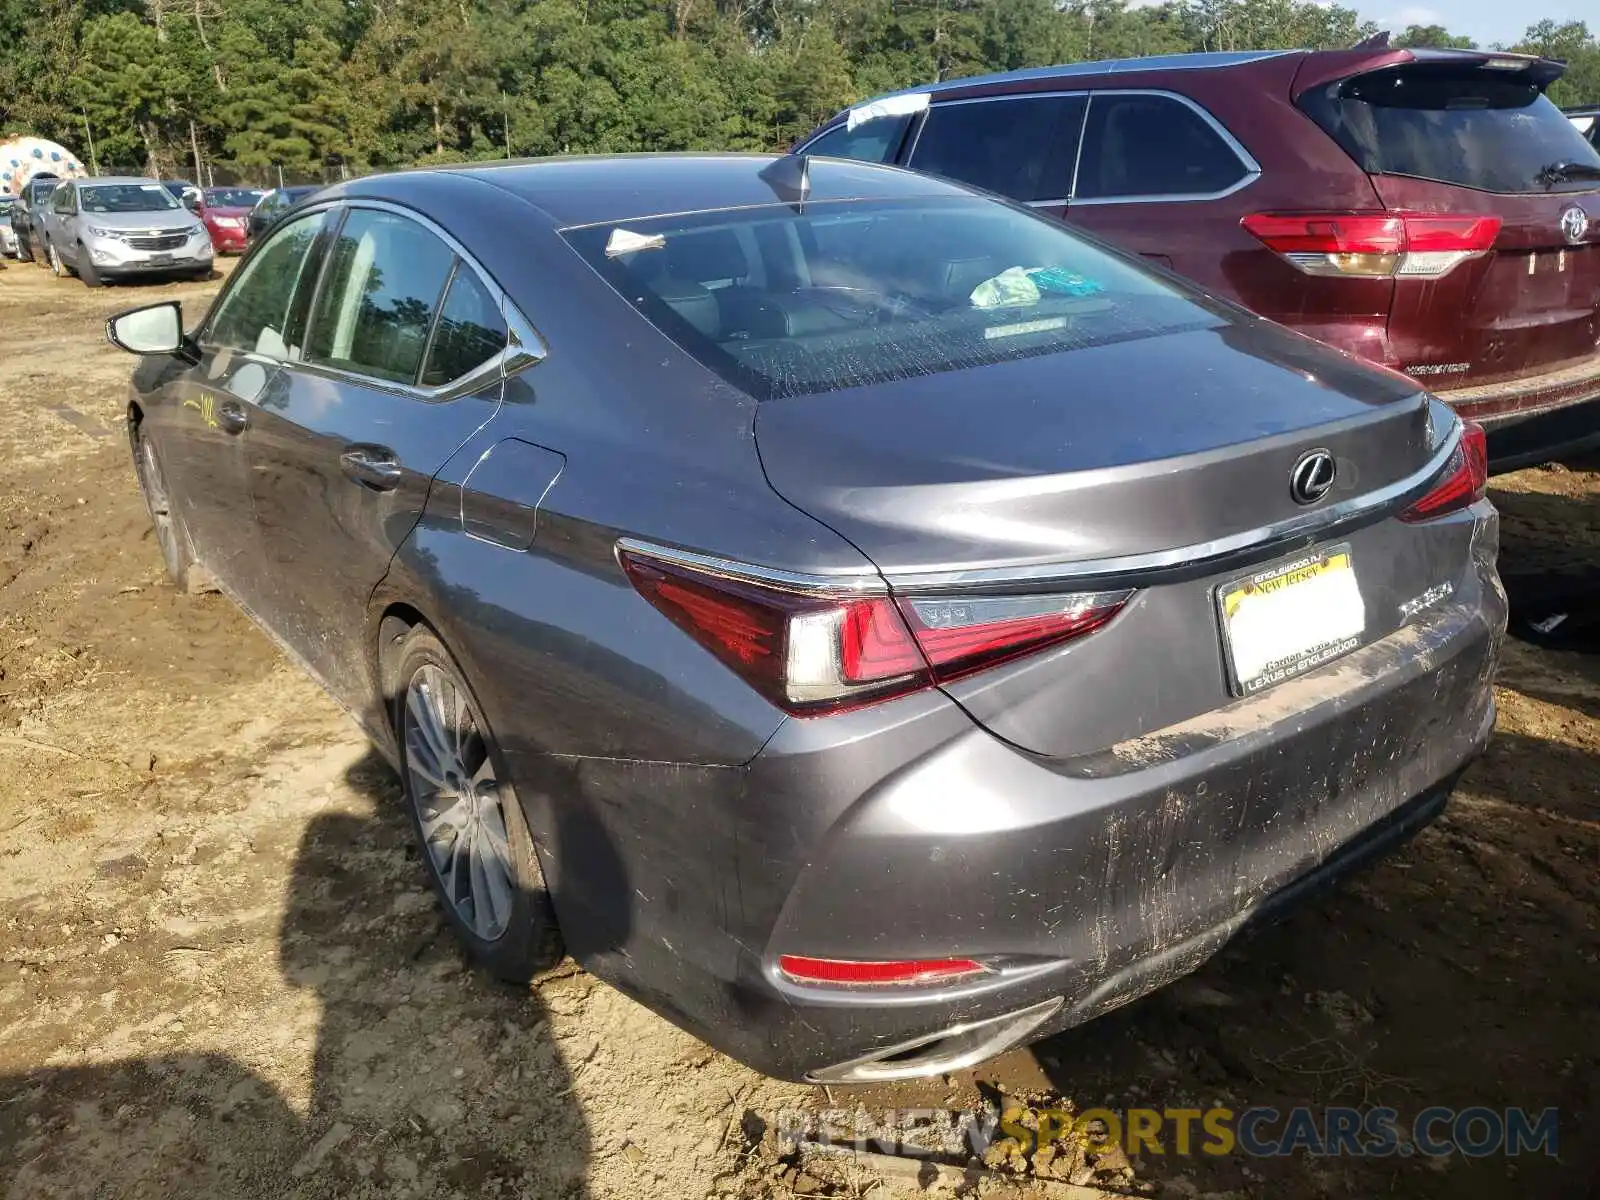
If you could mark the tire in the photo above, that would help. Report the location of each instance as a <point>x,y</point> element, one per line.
<point>57,268</point>
<point>473,838</point>
<point>177,551</point>
<point>24,249</point>
<point>86,272</point>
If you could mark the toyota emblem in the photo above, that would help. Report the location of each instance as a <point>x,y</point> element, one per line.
<point>1574,224</point>
<point>1312,477</point>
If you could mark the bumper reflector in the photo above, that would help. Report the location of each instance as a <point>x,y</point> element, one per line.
<point>845,972</point>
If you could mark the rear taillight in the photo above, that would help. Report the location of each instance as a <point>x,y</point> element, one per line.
<point>1463,482</point>
<point>847,972</point>
<point>1384,245</point>
<point>809,652</point>
<point>962,634</point>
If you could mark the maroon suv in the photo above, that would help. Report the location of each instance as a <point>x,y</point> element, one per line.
<point>1429,210</point>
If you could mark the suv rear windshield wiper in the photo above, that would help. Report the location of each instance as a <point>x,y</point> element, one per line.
<point>1563,172</point>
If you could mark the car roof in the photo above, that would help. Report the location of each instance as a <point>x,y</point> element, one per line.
<point>1199,61</point>
<point>118,179</point>
<point>594,189</point>
<point>1353,61</point>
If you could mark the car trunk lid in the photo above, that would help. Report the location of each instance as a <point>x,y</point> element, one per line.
<point>1173,443</point>
<point>1137,485</point>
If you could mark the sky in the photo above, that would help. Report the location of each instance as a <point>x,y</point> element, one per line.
<point>1485,21</point>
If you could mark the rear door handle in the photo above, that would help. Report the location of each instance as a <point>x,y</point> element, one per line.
<point>232,417</point>
<point>376,467</point>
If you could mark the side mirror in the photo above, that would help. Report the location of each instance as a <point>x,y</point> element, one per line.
<point>193,204</point>
<point>156,329</point>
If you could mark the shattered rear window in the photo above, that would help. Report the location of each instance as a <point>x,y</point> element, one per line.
<point>782,301</point>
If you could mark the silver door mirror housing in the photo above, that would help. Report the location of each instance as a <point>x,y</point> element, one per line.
<point>154,329</point>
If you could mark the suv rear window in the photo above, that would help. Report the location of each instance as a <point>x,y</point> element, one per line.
<point>848,293</point>
<point>1474,127</point>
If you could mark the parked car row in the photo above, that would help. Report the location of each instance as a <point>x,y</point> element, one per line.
<point>1430,211</point>
<point>872,622</point>
<point>111,228</point>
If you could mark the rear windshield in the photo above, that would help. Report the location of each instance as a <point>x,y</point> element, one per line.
<point>846,293</point>
<point>1476,127</point>
<point>125,197</point>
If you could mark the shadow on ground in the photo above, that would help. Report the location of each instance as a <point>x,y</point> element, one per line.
<point>1550,560</point>
<point>427,1078</point>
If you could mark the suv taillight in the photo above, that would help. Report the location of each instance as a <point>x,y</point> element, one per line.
<point>811,653</point>
<point>1385,245</point>
<point>1463,482</point>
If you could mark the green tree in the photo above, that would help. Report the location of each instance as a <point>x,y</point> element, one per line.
<point>1433,37</point>
<point>128,87</point>
<point>254,83</point>
<point>1576,46</point>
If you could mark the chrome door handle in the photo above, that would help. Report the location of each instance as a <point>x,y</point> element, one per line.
<point>375,467</point>
<point>232,417</point>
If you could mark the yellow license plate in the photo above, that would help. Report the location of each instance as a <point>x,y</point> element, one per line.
<point>1290,618</point>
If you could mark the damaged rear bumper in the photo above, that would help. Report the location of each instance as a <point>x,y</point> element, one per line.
<point>1089,883</point>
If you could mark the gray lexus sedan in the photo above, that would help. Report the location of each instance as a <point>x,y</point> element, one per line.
<point>870,624</point>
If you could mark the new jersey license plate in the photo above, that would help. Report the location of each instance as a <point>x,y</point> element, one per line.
<point>1287,619</point>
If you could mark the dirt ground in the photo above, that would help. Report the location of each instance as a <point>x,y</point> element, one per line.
<point>221,973</point>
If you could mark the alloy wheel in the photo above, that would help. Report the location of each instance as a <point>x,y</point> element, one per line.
<point>451,771</point>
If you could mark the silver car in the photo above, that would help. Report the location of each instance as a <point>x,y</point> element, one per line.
<point>111,228</point>
<point>8,236</point>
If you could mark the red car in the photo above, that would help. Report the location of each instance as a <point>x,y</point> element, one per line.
<point>1428,210</point>
<point>226,215</point>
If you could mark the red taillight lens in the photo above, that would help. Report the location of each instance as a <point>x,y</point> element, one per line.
<point>811,653</point>
<point>848,972</point>
<point>960,635</point>
<point>1384,245</point>
<point>1329,233</point>
<point>803,652</point>
<point>1465,478</point>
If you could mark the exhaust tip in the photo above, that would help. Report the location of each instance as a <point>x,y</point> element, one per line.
<point>952,1049</point>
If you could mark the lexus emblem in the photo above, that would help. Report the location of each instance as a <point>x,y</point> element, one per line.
<point>1574,224</point>
<point>1312,477</point>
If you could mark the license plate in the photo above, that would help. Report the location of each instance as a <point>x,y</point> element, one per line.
<point>157,260</point>
<point>1287,619</point>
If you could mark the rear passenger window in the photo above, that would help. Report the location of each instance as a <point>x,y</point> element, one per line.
<point>875,141</point>
<point>1020,147</point>
<point>379,295</point>
<point>1136,144</point>
<point>470,332</point>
